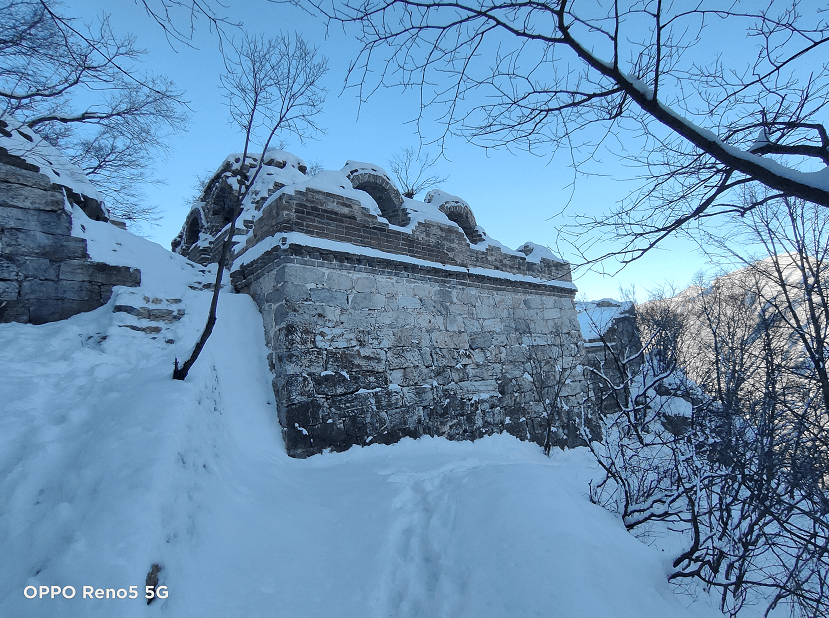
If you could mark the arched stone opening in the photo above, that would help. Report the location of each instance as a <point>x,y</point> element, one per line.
<point>383,192</point>
<point>192,232</point>
<point>459,212</point>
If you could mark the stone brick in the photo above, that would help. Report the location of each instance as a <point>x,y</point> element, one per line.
<point>450,340</point>
<point>365,359</point>
<point>297,273</point>
<point>394,319</point>
<point>8,270</point>
<point>38,244</point>
<point>294,292</point>
<point>9,290</point>
<point>20,176</point>
<point>397,358</point>
<point>365,284</point>
<point>367,300</point>
<point>324,296</point>
<point>30,198</point>
<point>455,323</point>
<point>410,375</point>
<point>328,338</point>
<point>50,222</point>
<point>336,280</point>
<point>408,302</point>
<point>97,272</point>
<point>53,309</point>
<point>480,340</point>
<point>14,311</point>
<point>60,290</point>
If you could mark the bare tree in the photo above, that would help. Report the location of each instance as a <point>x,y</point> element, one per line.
<point>79,87</point>
<point>743,471</point>
<point>644,80</point>
<point>271,86</point>
<point>412,171</point>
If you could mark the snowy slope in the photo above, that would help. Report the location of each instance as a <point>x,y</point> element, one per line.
<point>108,466</point>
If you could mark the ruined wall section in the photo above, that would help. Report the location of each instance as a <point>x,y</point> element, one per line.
<point>45,273</point>
<point>371,347</point>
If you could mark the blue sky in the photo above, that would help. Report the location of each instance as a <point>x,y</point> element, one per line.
<point>515,197</point>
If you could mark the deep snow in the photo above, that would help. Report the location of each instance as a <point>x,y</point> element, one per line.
<point>107,466</point>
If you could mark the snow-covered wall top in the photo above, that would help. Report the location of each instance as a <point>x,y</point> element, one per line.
<point>18,140</point>
<point>596,317</point>
<point>360,208</point>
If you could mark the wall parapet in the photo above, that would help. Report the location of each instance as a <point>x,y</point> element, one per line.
<point>329,216</point>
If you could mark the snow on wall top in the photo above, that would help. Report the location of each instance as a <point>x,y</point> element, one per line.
<point>278,166</point>
<point>596,317</point>
<point>332,182</point>
<point>439,198</point>
<point>286,173</point>
<point>535,252</point>
<point>360,167</point>
<point>21,141</point>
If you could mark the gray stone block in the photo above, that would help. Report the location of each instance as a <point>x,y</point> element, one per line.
<point>9,290</point>
<point>20,176</point>
<point>14,311</point>
<point>97,272</point>
<point>298,273</point>
<point>294,292</point>
<point>394,319</point>
<point>365,284</point>
<point>8,270</point>
<point>336,280</point>
<point>334,383</point>
<point>363,359</point>
<point>480,340</point>
<point>50,222</point>
<point>61,290</point>
<point>408,302</point>
<point>329,297</point>
<point>46,310</point>
<point>367,300</point>
<point>31,198</point>
<point>38,244</point>
<point>455,323</point>
<point>397,358</point>
<point>450,340</point>
<point>412,375</point>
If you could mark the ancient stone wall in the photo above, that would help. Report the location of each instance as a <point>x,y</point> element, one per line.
<point>383,333</point>
<point>333,217</point>
<point>611,338</point>
<point>45,273</point>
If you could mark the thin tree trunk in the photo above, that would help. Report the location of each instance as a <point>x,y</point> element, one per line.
<point>179,373</point>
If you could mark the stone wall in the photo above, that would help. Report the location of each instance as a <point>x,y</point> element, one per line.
<point>334,217</point>
<point>612,338</point>
<point>369,347</point>
<point>45,273</point>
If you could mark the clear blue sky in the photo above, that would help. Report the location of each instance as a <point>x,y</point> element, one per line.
<point>515,197</point>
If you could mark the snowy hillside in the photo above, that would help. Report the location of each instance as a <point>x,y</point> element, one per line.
<point>108,466</point>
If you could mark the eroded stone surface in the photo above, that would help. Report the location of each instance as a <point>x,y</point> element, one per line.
<point>45,273</point>
<point>369,349</point>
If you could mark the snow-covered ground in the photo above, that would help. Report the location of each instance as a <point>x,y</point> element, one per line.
<point>108,466</point>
